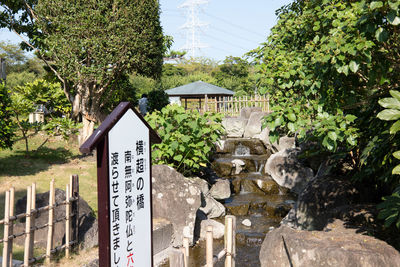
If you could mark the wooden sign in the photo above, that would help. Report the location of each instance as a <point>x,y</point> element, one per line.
<point>123,143</point>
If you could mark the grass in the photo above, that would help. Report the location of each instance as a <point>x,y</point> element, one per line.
<point>56,159</point>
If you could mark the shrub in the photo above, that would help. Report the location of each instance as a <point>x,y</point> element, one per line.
<point>6,125</point>
<point>188,138</point>
<point>157,100</point>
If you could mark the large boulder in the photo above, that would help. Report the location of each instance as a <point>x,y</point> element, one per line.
<point>176,199</point>
<point>212,208</point>
<point>234,127</point>
<point>246,112</point>
<point>221,189</point>
<point>254,124</point>
<point>339,246</point>
<point>88,229</point>
<point>287,170</point>
<point>322,199</point>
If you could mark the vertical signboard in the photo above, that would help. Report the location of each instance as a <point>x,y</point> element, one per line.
<point>129,192</point>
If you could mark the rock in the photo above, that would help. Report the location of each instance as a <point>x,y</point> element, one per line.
<point>88,232</point>
<point>246,112</point>
<point>263,136</point>
<point>238,209</point>
<point>286,142</point>
<point>287,171</point>
<point>250,186</point>
<point>212,208</point>
<point>221,189</point>
<point>176,199</point>
<point>323,199</point>
<point>268,186</point>
<point>254,124</point>
<point>223,167</point>
<point>338,247</point>
<point>246,222</point>
<point>225,146</point>
<point>201,184</point>
<point>218,229</point>
<point>234,127</point>
<point>238,165</point>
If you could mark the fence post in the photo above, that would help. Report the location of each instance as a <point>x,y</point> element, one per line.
<point>28,226</point>
<point>11,226</point>
<point>186,251</point>
<point>51,218</point>
<point>67,220</point>
<point>230,240</point>
<point>6,229</point>
<point>176,258</point>
<point>33,215</point>
<point>209,246</point>
<point>75,206</point>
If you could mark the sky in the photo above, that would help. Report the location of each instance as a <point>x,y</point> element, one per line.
<point>232,27</point>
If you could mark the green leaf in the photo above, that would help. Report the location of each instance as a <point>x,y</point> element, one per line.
<point>332,135</point>
<point>396,154</point>
<point>389,114</point>
<point>375,5</point>
<point>351,140</point>
<point>392,17</point>
<point>291,117</point>
<point>353,66</point>
<point>389,102</point>
<point>291,127</point>
<point>178,157</point>
<point>381,35</point>
<point>395,94</point>
<point>396,170</point>
<point>395,127</point>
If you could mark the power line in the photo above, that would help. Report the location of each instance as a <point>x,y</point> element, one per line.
<point>234,35</point>
<point>232,24</point>
<point>223,41</point>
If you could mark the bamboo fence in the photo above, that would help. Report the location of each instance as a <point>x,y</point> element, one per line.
<point>231,106</point>
<point>181,258</point>
<point>71,220</point>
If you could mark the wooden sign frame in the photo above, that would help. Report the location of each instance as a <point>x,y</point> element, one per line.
<point>99,141</point>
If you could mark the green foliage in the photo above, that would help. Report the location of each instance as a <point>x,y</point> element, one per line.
<point>310,122</point>
<point>61,126</point>
<point>46,93</point>
<point>112,39</point>
<point>390,209</point>
<point>123,90</point>
<point>157,100</point>
<point>327,61</point>
<point>6,124</point>
<point>390,113</point>
<point>187,138</point>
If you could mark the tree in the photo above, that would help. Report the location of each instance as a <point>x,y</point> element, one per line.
<point>112,39</point>
<point>325,65</point>
<point>6,124</point>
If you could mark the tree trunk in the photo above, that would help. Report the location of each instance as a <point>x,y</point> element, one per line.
<point>87,103</point>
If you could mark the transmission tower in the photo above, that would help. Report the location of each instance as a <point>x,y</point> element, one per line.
<point>193,25</point>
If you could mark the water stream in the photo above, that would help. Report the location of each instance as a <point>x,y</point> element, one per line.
<point>255,197</point>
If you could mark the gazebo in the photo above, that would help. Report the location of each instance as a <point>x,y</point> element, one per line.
<point>193,94</point>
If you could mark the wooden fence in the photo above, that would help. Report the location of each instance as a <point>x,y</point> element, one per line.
<point>231,106</point>
<point>181,258</point>
<point>71,222</point>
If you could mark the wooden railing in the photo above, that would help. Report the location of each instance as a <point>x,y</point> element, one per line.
<point>231,106</point>
<point>71,222</point>
<point>180,258</point>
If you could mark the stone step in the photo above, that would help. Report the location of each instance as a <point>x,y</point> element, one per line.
<point>15,263</point>
<point>252,203</point>
<point>162,234</point>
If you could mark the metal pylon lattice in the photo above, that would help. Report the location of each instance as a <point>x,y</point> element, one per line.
<point>193,26</point>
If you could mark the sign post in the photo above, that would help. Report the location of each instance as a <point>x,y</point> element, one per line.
<point>123,144</point>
